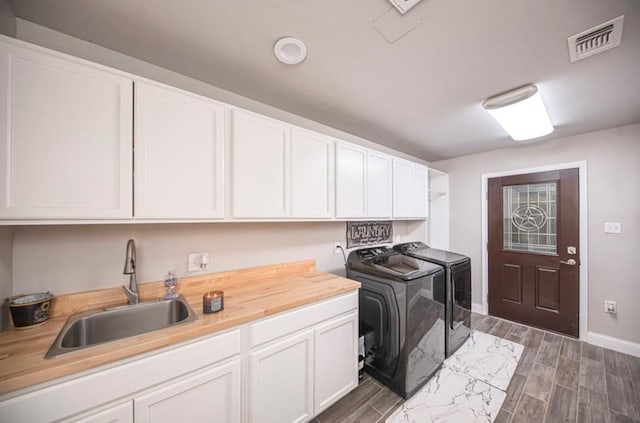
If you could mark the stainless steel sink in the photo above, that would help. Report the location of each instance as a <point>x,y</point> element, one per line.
<point>96,327</point>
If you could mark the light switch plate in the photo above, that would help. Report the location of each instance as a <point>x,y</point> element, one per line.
<point>612,227</point>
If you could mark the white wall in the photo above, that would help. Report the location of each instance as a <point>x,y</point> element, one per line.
<point>40,35</point>
<point>613,163</point>
<point>74,258</point>
<point>7,19</point>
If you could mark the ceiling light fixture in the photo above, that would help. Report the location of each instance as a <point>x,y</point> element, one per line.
<point>520,112</point>
<point>290,51</point>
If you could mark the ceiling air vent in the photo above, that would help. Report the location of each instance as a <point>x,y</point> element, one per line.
<point>596,40</point>
<point>403,5</point>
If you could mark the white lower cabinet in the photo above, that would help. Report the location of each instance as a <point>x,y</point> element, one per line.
<point>281,381</point>
<point>335,370</point>
<point>285,368</point>
<point>212,395</point>
<point>303,361</point>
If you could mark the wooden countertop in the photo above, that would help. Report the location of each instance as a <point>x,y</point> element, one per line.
<point>249,294</point>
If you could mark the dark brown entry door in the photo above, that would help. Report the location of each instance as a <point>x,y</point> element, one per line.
<point>533,249</point>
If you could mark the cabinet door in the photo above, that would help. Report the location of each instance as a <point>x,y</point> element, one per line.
<point>311,174</point>
<point>65,147</point>
<point>281,381</point>
<point>336,360</point>
<point>402,188</point>
<point>208,396</point>
<point>179,154</point>
<point>260,166</point>
<point>121,413</point>
<point>351,176</point>
<point>420,183</point>
<point>378,184</point>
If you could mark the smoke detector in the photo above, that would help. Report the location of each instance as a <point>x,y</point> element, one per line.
<point>596,40</point>
<point>403,5</point>
<point>290,50</point>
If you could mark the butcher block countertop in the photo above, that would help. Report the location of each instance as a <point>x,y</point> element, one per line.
<point>249,294</point>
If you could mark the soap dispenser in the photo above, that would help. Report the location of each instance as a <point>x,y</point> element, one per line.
<point>170,285</point>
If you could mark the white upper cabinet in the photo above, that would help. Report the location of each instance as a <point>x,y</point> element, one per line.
<point>279,171</point>
<point>420,186</point>
<point>402,188</point>
<point>68,129</point>
<point>363,182</point>
<point>379,176</point>
<point>351,179</point>
<point>409,189</point>
<point>312,174</point>
<point>179,154</point>
<point>260,149</point>
<point>65,147</point>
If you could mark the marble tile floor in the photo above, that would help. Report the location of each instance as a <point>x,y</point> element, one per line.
<point>451,396</point>
<point>557,379</point>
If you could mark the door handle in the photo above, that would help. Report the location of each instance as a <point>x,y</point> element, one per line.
<point>570,262</point>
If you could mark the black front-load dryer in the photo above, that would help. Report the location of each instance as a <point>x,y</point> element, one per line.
<point>458,292</point>
<point>402,302</point>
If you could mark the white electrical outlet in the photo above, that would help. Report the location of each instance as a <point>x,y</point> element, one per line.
<point>336,248</point>
<point>198,262</point>
<point>610,307</point>
<point>612,227</point>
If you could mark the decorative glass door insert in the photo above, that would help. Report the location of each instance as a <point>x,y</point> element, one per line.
<point>530,218</point>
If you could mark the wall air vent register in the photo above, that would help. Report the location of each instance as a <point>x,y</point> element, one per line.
<point>403,5</point>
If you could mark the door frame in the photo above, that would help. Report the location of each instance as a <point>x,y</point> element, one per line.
<point>584,253</point>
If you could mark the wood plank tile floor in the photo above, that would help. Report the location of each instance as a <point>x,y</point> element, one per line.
<point>558,379</point>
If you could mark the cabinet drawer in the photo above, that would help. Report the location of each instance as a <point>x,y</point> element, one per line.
<point>121,413</point>
<point>271,328</point>
<point>211,395</point>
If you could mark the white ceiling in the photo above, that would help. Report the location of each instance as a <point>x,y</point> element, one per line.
<point>420,94</point>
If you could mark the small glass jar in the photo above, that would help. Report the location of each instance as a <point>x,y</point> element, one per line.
<point>212,302</point>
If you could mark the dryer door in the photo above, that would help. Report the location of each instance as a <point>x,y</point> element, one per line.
<point>460,317</point>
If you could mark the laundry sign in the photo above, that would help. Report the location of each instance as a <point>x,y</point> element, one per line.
<point>368,233</point>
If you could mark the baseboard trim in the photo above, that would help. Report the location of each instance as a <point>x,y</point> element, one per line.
<point>616,344</point>
<point>476,308</point>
